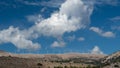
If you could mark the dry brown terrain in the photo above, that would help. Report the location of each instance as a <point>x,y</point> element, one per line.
<point>68,60</point>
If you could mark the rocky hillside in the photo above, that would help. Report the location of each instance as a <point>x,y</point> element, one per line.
<point>112,61</point>
<point>69,60</point>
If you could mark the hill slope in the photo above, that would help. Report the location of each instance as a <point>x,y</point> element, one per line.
<point>112,61</point>
<point>69,60</point>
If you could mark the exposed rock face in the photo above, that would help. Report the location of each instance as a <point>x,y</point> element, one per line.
<point>112,61</point>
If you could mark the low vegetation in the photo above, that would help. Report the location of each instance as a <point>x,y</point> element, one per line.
<point>54,61</point>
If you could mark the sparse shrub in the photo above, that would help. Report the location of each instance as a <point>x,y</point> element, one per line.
<point>80,67</point>
<point>88,66</point>
<point>96,67</point>
<point>73,67</point>
<point>116,65</point>
<point>9,56</point>
<point>39,64</point>
<point>65,67</point>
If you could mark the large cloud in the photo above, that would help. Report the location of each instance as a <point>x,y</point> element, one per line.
<point>72,15</point>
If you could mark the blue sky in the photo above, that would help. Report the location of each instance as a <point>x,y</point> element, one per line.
<point>60,26</point>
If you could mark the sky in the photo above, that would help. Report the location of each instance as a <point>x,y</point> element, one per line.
<point>60,26</point>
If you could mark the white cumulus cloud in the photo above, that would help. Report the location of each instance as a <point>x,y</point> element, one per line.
<point>15,36</point>
<point>58,44</point>
<point>96,50</point>
<point>102,33</point>
<point>71,16</point>
<point>66,19</point>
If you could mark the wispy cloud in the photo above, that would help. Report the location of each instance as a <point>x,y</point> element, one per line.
<point>115,19</point>
<point>71,38</point>
<point>34,18</point>
<point>81,39</point>
<point>31,3</point>
<point>51,3</point>
<point>19,3</point>
<point>107,2</point>
<point>43,9</point>
<point>102,33</point>
<point>103,2</point>
<point>115,27</point>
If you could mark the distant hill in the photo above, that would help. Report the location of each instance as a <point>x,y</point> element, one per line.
<point>4,53</point>
<point>68,60</point>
